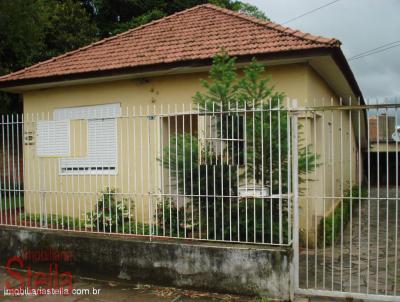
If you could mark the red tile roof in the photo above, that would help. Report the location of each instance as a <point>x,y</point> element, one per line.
<point>192,34</point>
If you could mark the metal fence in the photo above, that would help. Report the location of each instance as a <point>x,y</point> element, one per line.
<point>323,179</point>
<point>212,172</point>
<point>348,227</point>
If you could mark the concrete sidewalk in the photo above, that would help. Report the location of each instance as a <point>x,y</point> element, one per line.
<point>121,292</point>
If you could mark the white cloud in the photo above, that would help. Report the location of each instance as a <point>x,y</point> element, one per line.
<point>360,25</point>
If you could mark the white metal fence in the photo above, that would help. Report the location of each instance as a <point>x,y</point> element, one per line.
<point>349,226</point>
<point>213,172</point>
<point>323,179</point>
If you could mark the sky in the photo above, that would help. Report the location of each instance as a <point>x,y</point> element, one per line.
<point>360,25</point>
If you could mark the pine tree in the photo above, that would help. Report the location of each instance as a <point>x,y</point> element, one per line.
<point>245,106</point>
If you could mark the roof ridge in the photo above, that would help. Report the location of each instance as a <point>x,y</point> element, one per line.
<point>275,26</point>
<point>99,42</point>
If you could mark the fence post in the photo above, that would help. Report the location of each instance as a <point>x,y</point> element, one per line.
<point>295,188</point>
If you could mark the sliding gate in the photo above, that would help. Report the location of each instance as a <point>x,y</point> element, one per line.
<point>347,226</point>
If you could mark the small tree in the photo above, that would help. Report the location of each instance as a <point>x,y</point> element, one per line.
<point>245,106</point>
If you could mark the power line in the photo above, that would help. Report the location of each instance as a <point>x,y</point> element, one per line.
<point>375,50</point>
<point>310,12</point>
<point>371,50</point>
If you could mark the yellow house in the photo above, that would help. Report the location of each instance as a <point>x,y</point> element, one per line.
<point>102,97</point>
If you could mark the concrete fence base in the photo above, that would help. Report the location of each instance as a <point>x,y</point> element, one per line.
<point>231,268</point>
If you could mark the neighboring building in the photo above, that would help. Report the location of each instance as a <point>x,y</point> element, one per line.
<point>160,63</point>
<point>384,147</point>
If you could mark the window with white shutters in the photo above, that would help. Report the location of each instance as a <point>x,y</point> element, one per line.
<point>52,138</point>
<point>101,157</point>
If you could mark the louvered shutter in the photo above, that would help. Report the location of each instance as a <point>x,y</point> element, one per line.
<point>53,138</point>
<point>101,142</point>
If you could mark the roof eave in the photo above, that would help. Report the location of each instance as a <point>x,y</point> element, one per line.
<point>341,61</point>
<point>17,86</point>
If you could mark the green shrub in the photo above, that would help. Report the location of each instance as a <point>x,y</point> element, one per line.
<point>225,220</point>
<point>111,213</point>
<point>167,219</point>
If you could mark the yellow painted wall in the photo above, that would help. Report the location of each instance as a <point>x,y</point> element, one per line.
<point>138,166</point>
<point>329,134</point>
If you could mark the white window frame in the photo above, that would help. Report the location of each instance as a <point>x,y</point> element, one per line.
<point>218,142</point>
<point>88,113</point>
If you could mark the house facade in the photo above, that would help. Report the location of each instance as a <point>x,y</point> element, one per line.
<point>86,113</point>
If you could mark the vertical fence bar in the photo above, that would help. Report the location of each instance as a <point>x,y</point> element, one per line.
<point>270,173</point>
<point>294,132</point>
<point>184,171</point>
<point>246,172</point>
<point>198,166</point>
<point>306,129</point>
<point>149,188</point>
<point>360,197</point>
<point>289,176</point>
<point>34,170</point>
<point>378,200</point>
<point>50,184</point>
<point>323,139</point>
<point>135,174</point>
<point>128,170</point>
<point>387,200</point>
<point>351,195</point>
<point>176,171</point>
<point>25,167</point>
<point>341,197</point>
<point>280,172</point>
<point>73,181</point>
<point>263,186</point>
<point>191,167</point>
<point>8,168</point>
<point>157,170</point>
<point>141,166</point>
<point>162,167</point>
<point>238,118</point>
<point>230,166</point>
<point>120,167</point>
<point>2,183</point>
<point>369,201</point>
<point>13,168</point>
<point>169,171</point>
<point>315,208</point>
<point>333,192</point>
<point>111,192</point>
<point>254,173</point>
<point>396,229</point>
<point>85,189</point>
<point>18,171</point>
<point>222,146</point>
